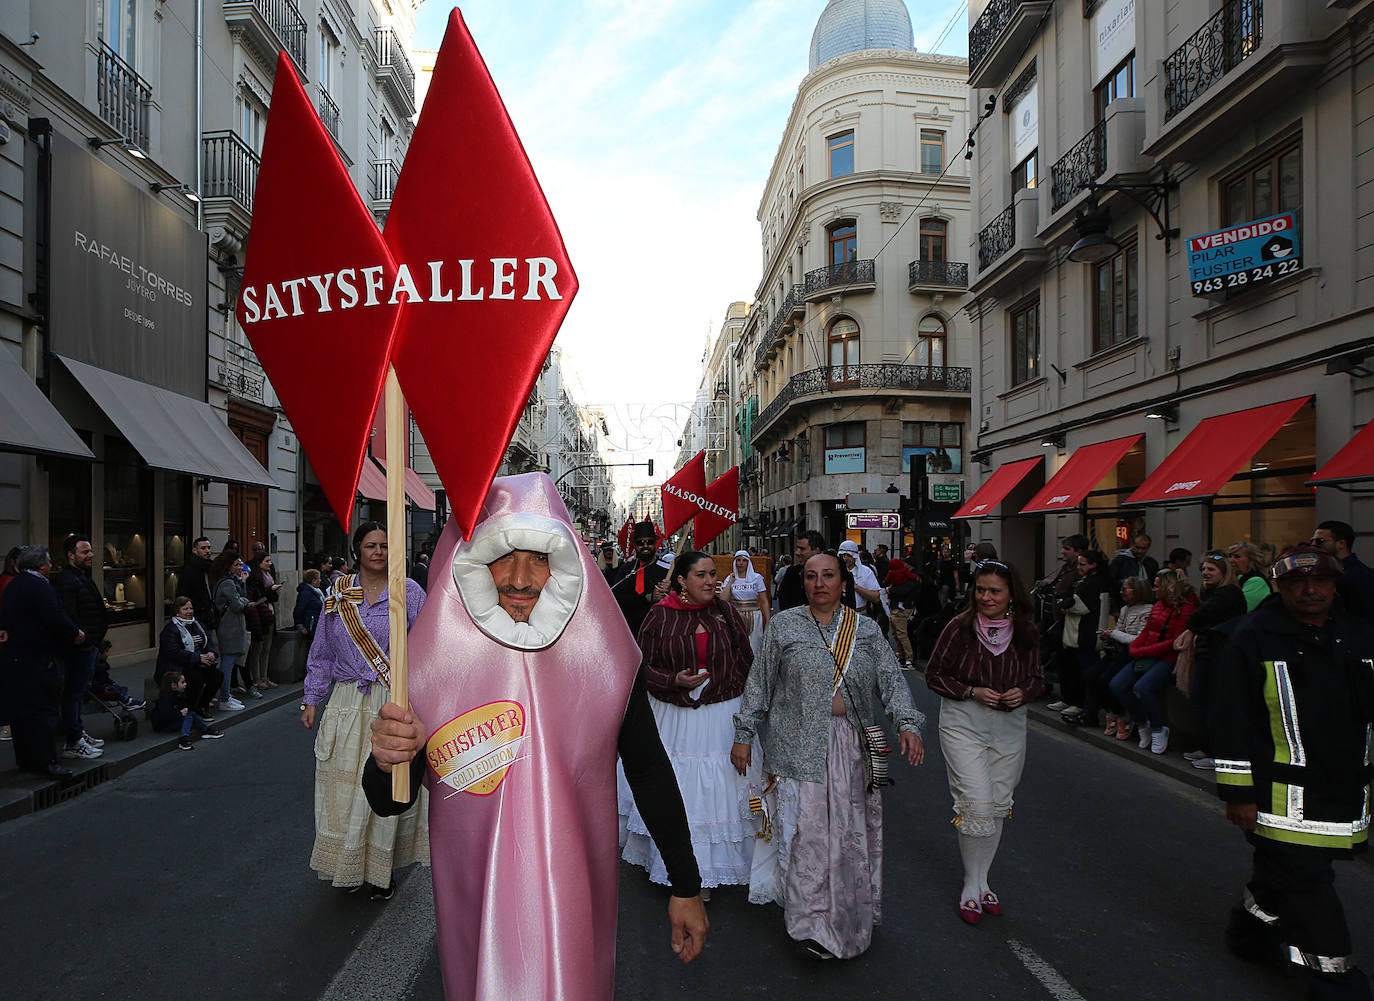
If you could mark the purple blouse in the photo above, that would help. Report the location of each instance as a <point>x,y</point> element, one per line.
<point>335,657</point>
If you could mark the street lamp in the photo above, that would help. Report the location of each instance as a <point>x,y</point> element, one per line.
<point>1091,221</point>
<point>183,189</point>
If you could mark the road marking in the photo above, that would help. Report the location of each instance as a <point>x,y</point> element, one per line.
<point>377,968</point>
<point>1059,988</point>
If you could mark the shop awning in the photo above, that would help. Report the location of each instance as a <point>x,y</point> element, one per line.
<point>1217,449</point>
<point>29,423</point>
<point>1084,471</point>
<point>416,489</point>
<point>170,431</point>
<point>998,485</point>
<point>1352,464</point>
<point>372,482</point>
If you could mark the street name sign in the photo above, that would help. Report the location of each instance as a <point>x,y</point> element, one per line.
<point>949,493</point>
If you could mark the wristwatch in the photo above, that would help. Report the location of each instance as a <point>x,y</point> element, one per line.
<point>303,707</point>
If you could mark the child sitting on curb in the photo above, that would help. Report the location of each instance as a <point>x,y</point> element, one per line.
<point>172,712</point>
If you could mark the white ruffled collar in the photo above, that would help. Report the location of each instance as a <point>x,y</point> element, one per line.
<point>557,601</point>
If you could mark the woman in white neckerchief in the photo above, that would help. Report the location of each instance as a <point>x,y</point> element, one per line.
<point>746,589</point>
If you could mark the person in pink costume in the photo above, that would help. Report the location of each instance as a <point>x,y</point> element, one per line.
<point>523,687</point>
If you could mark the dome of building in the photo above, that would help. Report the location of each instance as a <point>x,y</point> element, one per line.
<point>855,25</point>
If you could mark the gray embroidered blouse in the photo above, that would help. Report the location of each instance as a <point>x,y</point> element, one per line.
<point>787,697</point>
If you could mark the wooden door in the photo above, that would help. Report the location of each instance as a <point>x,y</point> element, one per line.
<point>248,505</point>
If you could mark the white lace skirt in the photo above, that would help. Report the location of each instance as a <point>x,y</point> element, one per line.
<point>698,744</point>
<point>352,844</point>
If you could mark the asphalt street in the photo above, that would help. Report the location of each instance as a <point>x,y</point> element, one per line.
<point>187,878</point>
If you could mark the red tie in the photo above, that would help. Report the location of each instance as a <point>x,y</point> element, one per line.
<point>639,580</point>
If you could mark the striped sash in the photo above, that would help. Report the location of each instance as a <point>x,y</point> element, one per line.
<point>345,596</point>
<point>842,649</point>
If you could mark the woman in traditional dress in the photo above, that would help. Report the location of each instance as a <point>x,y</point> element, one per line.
<point>354,846</point>
<point>696,658</point>
<point>746,589</point>
<point>813,687</point>
<point>985,667</point>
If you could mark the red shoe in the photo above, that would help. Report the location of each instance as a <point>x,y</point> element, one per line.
<point>970,911</point>
<point>991,905</point>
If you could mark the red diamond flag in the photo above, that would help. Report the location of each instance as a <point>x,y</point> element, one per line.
<point>317,300</point>
<point>623,537</point>
<point>683,494</point>
<point>721,509</point>
<point>485,273</point>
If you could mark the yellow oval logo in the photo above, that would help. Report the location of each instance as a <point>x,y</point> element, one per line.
<point>471,753</point>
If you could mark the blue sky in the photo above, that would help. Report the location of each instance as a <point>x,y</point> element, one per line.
<point>652,126</point>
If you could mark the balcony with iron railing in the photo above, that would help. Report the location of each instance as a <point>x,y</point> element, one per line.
<point>893,378</point>
<point>851,276</point>
<point>230,168</point>
<point>997,238</point>
<point>123,96</point>
<point>269,26</point>
<point>1010,247</point>
<point>384,174</point>
<point>937,276</point>
<point>329,114</point>
<point>1235,66</point>
<point>998,37</point>
<point>394,70</point>
<point>241,373</point>
<point>1079,167</point>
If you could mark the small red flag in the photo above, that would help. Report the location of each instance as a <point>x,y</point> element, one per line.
<point>623,537</point>
<point>683,493</point>
<point>316,299</point>
<point>490,280</point>
<point>721,509</point>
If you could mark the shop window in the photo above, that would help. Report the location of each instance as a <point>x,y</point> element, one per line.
<point>1264,188</point>
<point>69,501</point>
<point>1026,173</point>
<point>843,353</point>
<point>933,233</point>
<point>931,337</point>
<point>841,150</point>
<point>125,559</point>
<point>844,447</point>
<point>932,151</point>
<point>1025,343</point>
<point>176,535</point>
<point>1270,504</point>
<point>1121,83</point>
<point>1116,303</point>
<point>940,442</point>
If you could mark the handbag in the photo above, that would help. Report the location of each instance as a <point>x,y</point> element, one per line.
<point>874,740</point>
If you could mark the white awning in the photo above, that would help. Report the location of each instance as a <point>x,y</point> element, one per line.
<point>170,431</point>
<point>28,421</point>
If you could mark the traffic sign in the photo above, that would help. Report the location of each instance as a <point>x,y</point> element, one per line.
<point>860,520</point>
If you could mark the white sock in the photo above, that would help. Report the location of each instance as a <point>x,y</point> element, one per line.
<point>968,851</point>
<point>987,851</point>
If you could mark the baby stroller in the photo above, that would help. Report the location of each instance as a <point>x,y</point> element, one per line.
<point>110,698</point>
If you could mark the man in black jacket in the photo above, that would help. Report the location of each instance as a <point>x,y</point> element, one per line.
<point>1291,716</point>
<point>1132,562</point>
<point>195,583</point>
<point>84,604</point>
<point>640,583</point>
<point>791,591</point>
<point>37,636</point>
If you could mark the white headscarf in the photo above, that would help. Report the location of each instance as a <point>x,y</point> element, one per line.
<point>751,576</point>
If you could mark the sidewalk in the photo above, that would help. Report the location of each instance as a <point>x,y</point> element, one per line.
<point>23,792</point>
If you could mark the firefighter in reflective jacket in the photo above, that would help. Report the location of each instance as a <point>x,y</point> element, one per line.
<point>1292,725</point>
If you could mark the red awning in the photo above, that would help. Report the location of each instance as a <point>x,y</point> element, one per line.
<point>998,485</point>
<point>419,493</point>
<point>1353,463</point>
<point>1217,449</point>
<point>372,482</point>
<point>1084,471</point>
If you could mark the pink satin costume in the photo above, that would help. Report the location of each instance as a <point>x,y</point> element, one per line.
<point>525,873</point>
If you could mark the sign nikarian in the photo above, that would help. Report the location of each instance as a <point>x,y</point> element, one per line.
<point>1252,253</point>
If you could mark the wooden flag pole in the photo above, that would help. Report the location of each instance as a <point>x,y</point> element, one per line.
<point>396,561</point>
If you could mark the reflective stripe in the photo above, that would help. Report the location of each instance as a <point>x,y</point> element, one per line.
<point>1326,964</point>
<point>1232,766</point>
<point>1326,828</point>
<point>1257,910</point>
<point>1283,715</point>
